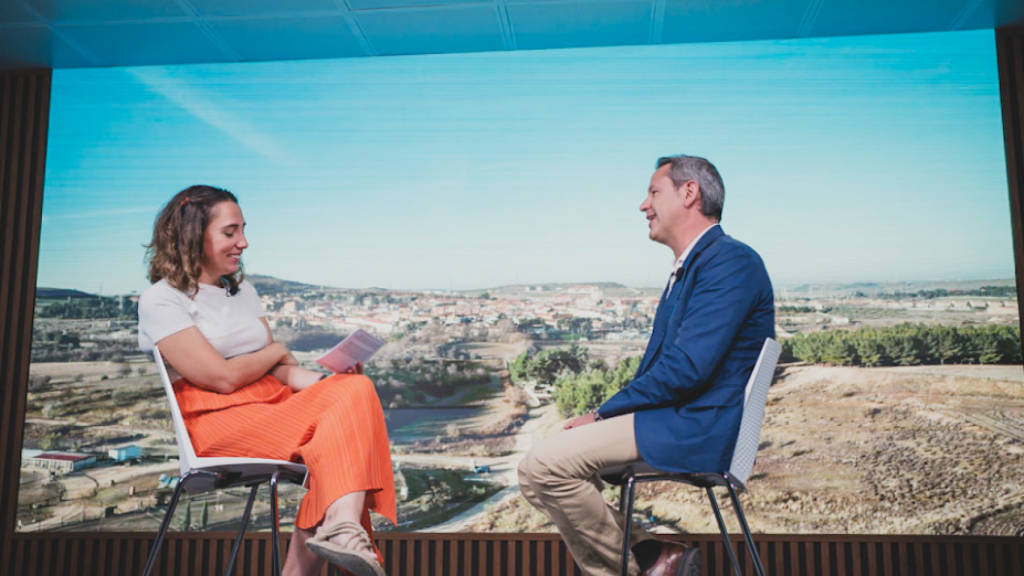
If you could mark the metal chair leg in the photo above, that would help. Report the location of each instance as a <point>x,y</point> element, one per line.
<point>746,529</point>
<point>627,522</point>
<point>154,552</point>
<point>276,532</point>
<point>725,532</point>
<point>241,530</point>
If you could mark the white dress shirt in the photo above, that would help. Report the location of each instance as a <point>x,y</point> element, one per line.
<point>682,257</point>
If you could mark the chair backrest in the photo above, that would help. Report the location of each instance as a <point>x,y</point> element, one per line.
<point>186,454</point>
<point>753,411</point>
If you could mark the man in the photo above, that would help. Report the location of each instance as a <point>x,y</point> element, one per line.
<point>682,410</point>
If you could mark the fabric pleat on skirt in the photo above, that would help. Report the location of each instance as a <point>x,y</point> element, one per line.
<point>335,427</point>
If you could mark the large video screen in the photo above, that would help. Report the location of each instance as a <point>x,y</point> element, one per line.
<point>479,212</point>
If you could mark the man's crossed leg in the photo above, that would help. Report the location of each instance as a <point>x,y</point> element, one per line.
<point>559,477</point>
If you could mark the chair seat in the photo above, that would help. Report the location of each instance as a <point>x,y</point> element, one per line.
<point>644,472</point>
<point>616,474</point>
<point>240,471</point>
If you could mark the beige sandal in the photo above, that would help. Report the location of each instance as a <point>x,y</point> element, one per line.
<point>350,558</point>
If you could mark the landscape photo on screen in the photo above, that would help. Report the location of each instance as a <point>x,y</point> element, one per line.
<point>479,213</point>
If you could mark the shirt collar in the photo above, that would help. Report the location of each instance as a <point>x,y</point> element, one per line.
<point>682,257</point>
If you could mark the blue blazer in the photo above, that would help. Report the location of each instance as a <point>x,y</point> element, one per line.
<point>687,395</point>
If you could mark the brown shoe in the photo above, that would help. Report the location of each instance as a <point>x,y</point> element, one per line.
<point>676,560</point>
<point>353,557</point>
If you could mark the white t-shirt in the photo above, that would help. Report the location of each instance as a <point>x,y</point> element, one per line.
<point>231,323</point>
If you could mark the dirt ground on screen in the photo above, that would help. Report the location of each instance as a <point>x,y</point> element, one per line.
<point>917,450</point>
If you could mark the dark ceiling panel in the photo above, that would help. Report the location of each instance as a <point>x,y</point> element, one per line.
<point>259,7</point>
<point>142,44</point>
<point>104,10</point>
<point>580,23</point>
<point>980,18</point>
<point>141,32</point>
<point>432,30</point>
<point>375,4</point>
<point>14,12</point>
<point>727,20</point>
<point>38,46</point>
<point>863,16</point>
<point>289,38</point>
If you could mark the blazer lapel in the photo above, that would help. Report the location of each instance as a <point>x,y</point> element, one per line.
<point>670,300</point>
<point>661,318</point>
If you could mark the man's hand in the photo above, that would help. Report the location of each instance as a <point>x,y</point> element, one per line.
<point>588,418</point>
<point>357,369</point>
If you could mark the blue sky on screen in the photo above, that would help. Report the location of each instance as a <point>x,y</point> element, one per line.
<point>845,160</point>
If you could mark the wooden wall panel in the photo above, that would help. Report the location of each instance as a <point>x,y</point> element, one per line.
<point>24,114</point>
<point>205,554</point>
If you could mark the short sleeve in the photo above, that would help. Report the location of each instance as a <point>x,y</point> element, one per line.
<point>163,313</point>
<point>248,291</point>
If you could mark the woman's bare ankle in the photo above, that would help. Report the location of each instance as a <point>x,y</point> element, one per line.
<point>348,508</point>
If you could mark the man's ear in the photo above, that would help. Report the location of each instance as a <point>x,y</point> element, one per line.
<point>691,193</point>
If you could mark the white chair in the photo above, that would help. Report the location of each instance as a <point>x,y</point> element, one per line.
<point>756,395</point>
<point>200,474</point>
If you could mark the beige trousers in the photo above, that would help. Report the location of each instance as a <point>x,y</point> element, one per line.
<point>559,478</point>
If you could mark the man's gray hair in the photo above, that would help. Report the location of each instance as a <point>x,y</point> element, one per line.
<point>712,190</point>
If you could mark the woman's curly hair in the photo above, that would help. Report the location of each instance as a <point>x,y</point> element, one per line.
<point>176,252</point>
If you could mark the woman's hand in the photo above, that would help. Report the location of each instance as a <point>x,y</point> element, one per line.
<point>289,360</point>
<point>298,378</point>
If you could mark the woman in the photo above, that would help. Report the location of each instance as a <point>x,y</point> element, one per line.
<point>243,394</point>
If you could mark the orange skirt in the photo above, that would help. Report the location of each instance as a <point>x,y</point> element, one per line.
<point>335,427</point>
